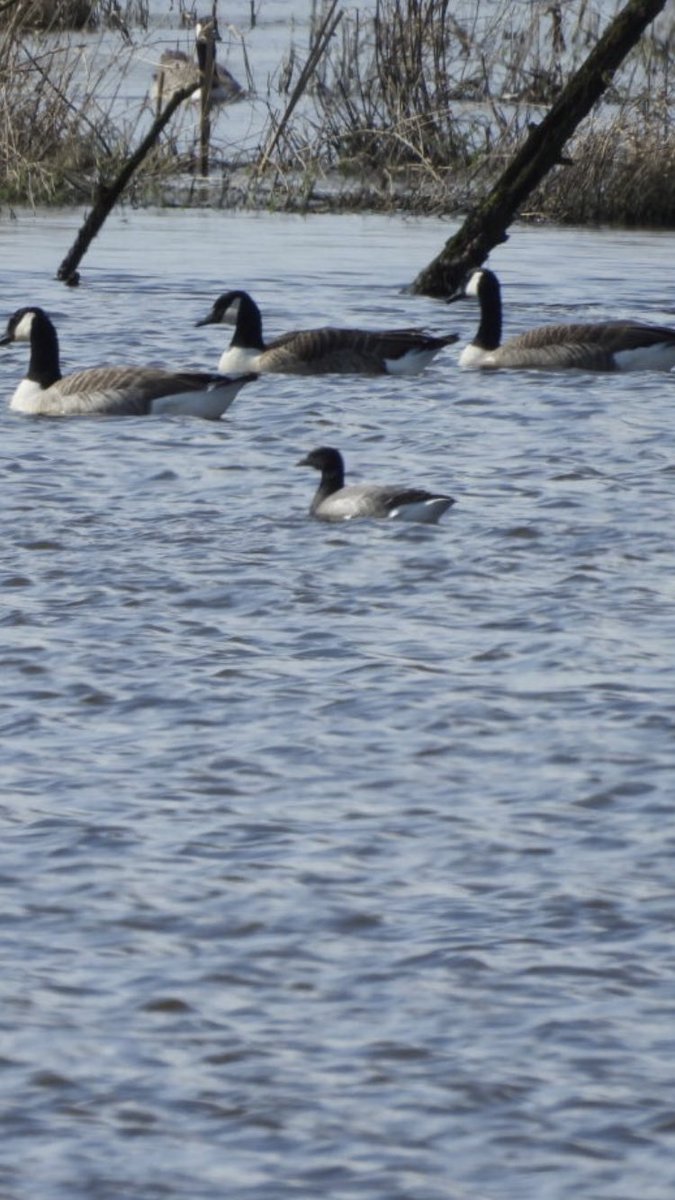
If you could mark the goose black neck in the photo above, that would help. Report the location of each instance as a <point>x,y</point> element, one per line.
<point>332,477</point>
<point>203,45</point>
<point>489,333</point>
<point>44,367</point>
<point>248,330</point>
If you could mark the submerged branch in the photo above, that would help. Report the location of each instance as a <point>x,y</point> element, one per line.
<point>108,194</point>
<point>486,226</point>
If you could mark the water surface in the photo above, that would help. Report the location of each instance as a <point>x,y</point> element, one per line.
<point>337,861</point>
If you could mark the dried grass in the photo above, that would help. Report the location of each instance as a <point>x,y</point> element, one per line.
<point>53,134</point>
<point>622,174</point>
<point>417,107</point>
<point>419,110</point>
<point>47,14</point>
<point>51,15</point>
<point>61,135</point>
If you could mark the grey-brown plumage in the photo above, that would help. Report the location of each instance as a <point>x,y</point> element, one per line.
<point>322,351</point>
<point>334,501</point>
<point>177,70</point>
<point>600,346</point>
<point>108,390</point>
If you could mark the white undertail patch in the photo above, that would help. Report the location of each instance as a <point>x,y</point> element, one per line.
<point>410,363</point>
<point>660,357</point>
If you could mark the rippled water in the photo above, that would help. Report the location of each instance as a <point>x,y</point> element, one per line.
<point>337,861</point>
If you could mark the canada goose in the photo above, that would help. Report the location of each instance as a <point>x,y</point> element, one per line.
<point>335,502</point>
<point>108,391</point>
<point>605,346</point>
<point>320,351</point>
<point>177,70</point>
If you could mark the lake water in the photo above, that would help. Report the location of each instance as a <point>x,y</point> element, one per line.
<point>337,861</point>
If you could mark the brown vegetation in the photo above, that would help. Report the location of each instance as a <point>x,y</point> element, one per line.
<point>418,111</point>
<point>60,140</point>
<point>414,105</point>
<point>53,133</point>
<point>52,15</point>
<point>47,14</point>
<point>622,173</point>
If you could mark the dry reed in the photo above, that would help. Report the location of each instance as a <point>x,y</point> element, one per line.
<point>414,105</point>
<point>418,108</point>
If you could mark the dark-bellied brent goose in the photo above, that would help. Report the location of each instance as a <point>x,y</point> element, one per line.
<point>334,501</point>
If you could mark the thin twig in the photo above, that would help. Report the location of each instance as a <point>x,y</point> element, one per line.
<point>79,113</point>
<point>323,37</point>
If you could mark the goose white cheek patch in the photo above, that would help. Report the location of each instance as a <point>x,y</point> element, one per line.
<point>23,329</point>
